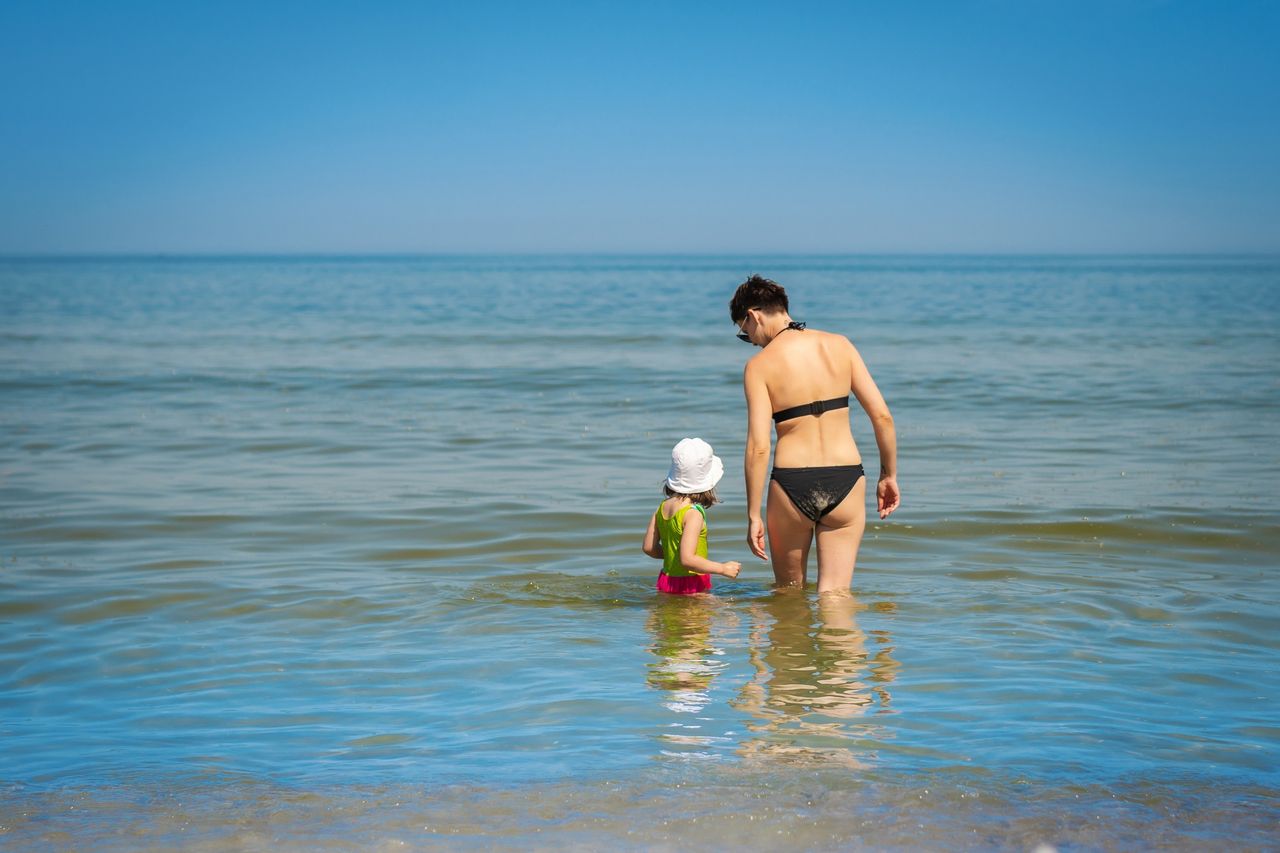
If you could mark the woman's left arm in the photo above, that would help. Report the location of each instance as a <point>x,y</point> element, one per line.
<point>888,496</point>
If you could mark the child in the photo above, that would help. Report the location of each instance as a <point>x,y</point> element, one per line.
<point>677,532</point>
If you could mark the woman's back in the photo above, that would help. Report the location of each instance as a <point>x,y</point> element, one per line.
<point>799,367</point>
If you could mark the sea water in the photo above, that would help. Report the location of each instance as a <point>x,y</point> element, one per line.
<point>300,553</point>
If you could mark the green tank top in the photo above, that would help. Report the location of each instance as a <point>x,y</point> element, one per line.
<point>670,530</point>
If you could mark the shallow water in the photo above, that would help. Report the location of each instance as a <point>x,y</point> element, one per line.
<point>344,552</point>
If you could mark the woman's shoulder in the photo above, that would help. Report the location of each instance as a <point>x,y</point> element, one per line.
<point>830,344</point>
<point>829,337</point>
<point>799,346</point>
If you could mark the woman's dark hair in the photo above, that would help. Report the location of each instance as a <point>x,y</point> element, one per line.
<point>760,293</point>
<point>707,498</point>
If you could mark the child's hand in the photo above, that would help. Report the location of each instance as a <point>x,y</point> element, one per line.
<point>732,568</point>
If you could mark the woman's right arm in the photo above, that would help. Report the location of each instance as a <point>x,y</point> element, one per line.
<point>755,462</point>
<point>888,497</point>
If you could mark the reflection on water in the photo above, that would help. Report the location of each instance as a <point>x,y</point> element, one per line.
<point>687,661</point>
<point>815,680</point>
<point>815,677</point>
<point>681,627</point>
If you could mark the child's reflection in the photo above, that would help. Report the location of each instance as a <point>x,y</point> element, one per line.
<point>685,661</point>
<point>814,676</point>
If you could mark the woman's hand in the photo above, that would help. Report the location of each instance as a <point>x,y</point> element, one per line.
<point>887,496</point>
<point>755,538</point>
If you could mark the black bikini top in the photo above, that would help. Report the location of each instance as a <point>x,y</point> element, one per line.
<point>815,408</point>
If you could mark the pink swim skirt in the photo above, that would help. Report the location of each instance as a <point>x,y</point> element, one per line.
<point>685,585</point>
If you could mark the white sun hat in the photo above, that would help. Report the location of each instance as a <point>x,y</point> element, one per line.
<point>694,468</point>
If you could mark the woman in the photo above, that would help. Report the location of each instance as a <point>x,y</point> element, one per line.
<point>800,383</point>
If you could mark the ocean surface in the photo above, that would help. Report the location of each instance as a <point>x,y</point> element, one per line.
<point>344,553</point>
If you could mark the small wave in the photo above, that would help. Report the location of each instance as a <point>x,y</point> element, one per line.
<point>1029,532</point>
<point>556,589</point>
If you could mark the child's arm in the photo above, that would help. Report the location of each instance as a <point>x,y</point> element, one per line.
<point>652,544</point>
<point>689,546</point>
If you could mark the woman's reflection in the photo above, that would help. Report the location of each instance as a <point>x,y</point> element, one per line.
<point>816,673</point>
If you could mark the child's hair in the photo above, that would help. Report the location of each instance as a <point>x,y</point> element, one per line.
<point>707,498</point>
<point>760,293</point>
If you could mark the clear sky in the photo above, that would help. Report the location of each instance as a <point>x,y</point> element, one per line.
<point>803,126</point>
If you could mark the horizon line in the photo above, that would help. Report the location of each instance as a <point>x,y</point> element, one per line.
<point>643,253</point>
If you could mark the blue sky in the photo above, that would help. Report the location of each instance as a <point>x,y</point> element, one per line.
<point>690,126</point>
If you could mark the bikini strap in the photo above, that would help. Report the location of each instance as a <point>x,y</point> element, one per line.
<point>815,408</point>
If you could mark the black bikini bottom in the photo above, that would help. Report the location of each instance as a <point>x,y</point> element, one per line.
<point>817,491</point>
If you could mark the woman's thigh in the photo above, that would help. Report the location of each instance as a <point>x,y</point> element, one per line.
<point>790,535</point>
<point>839,535</point>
